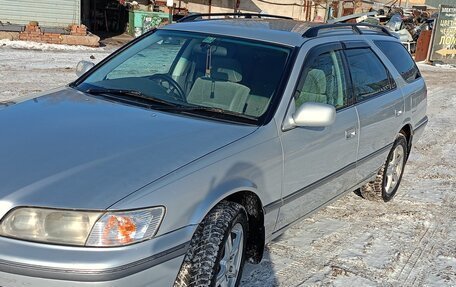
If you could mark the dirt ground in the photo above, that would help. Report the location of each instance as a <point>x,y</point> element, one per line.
<point>411,241</point>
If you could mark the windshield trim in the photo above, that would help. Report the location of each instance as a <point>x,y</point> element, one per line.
<point>278,95</point>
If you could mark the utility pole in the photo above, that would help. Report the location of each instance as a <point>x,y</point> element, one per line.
<point>237,4</point>
<point>170,4</point>
<point>340,8</point>
<point>326,12</point>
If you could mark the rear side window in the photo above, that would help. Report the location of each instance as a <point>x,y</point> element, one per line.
<point>369,75</point>
<point>401,59</point>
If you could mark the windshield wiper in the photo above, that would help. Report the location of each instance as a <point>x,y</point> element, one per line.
<point>214,111</point>
<point>131,93</point>
<point>170,106</point>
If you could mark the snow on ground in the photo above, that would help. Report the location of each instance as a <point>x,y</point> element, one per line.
<point>410,241</point>
<point>28,69</point>
<point>27,45</point>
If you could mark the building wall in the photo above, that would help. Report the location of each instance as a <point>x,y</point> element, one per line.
<point>48,13</point>
<point>290,8</point>
<point>217,6</point>
<point>415,2</point>
<point>436,3</point>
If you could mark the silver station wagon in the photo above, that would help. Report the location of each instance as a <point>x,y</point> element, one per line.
<point>178,157</point>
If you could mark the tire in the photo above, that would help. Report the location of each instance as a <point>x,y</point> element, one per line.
<point>204,261</point>
<point>388,179</point>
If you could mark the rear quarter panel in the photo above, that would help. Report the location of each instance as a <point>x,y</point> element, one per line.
<point>415,105</point>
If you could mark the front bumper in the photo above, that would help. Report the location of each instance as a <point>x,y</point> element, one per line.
<point>151,263</point>
<point>162,275</point>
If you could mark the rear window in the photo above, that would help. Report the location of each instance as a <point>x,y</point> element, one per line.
<point>401,59</point>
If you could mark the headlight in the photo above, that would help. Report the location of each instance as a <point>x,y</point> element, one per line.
<point>123,228</point>
<point>82,228</point>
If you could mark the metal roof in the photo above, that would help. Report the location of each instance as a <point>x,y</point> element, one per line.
<point>48,13</point>
<point>280,31</point>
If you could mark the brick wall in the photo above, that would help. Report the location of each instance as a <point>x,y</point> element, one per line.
<point>33,32</point>
<point>78,30</point>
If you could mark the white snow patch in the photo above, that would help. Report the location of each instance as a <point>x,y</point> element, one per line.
<point>424,66</point>
<point>447,66</point>
<point>29,45</point>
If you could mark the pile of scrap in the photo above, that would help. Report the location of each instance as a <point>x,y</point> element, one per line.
<point>407,24</point>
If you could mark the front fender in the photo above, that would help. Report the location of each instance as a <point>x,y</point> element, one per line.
<point>251,164</point>
<point>220,192</point>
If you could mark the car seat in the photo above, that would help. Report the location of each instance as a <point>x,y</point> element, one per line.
<point>221,88</point>
<point>314,89</point>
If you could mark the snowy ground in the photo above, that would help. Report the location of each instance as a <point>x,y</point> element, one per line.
<point>33,67</point>
<point>410,241</point>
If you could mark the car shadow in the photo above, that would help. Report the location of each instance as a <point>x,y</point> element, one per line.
<point>261,274</point>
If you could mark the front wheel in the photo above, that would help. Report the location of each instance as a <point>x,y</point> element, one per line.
<point>385,185</point>
<point>216,254</point>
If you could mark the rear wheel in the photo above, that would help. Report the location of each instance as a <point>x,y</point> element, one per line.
<point>217,251</point>
<point>385,185</point>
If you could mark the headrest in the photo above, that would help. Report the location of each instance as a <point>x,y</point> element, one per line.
<point>219,76</point>
<point>315,82</point>
<point>226,69</point>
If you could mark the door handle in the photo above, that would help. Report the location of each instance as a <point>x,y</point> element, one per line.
<point>397,113</point>
<point>350,133</point>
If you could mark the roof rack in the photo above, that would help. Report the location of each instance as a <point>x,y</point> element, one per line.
<point>195,17</point>
<point>313,31</point>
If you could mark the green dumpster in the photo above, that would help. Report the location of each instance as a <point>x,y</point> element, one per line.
<point>141,21</point>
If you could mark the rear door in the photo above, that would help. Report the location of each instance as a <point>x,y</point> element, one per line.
<point>380,107</point>
<point>319,163</point>
<point>413,87</point>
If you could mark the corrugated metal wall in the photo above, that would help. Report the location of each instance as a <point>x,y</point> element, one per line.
<point>49,13</point>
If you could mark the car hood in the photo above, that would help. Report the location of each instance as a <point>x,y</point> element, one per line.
<point>71,150</point>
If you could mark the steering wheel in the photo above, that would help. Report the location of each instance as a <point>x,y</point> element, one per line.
<point>171,86</point>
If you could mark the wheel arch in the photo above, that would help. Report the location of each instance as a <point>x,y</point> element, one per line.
<point>255,214</point>
<point>251,201</point>
<point>407,131</point>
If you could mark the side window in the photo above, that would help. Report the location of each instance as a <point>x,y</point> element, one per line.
<point>369,75</point>
<point>323,81</point>
<point>401,59</point>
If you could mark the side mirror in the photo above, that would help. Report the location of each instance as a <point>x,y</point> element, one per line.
<point>314,115</point>
<point>82,67</point>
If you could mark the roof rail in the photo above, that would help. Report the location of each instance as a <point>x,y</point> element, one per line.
<point>195,17</point>
<point>313,31</point>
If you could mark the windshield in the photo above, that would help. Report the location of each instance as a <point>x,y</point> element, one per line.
<point>225,75</point>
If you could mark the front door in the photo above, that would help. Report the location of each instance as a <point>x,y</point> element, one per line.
<point>319,163</point>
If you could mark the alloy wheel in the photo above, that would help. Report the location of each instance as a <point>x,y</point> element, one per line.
<point>394,169</point>
<point>232,254</point>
